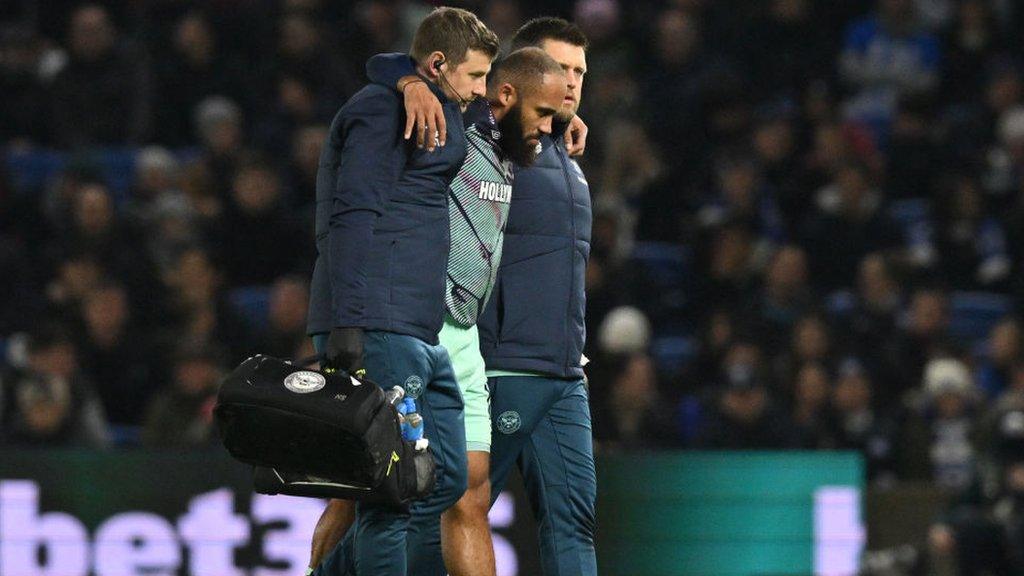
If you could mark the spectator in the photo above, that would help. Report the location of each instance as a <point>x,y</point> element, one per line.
<point>915,159</point>
<point>743,196</point>
<point>49,403</point>
<point>972,242</point>
<point>886,56</point>
<point>103,96</point>
<point>850,224</point>
<point>219,123</point>
<point>973,42</point>
<point>939,436</point>
<point>740,413</point>
<point>810,342</point>
<point>198,310</point>
<point>742,416</point>
<point>256,239</point>
<point>860,423</point>
<point>22,116</point>
<point>182,415</point>
<point>634,417</point>
<point>197,68</point>
<point>926,336</point>
<point>872,327</point>
<point>729,270</point>
<point>808,415</point>
<point>289,303</point>
<point>1003,352</point>
<point>774,140</point>
<point>784,298</point>
<point>97,230</point>
<point>117,355</point>
<point>295,105</point>
<point>304,50</point>
<point>302,169</point>
<point>678,79</point>
<point>785,48</point>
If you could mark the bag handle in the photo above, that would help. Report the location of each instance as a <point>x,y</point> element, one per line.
<point>309,360</point>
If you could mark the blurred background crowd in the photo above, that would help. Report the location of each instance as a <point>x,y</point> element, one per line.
<point>808,217</point>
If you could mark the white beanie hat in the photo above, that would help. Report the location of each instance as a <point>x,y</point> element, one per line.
<point>625,330</point>
<point>948,375</point>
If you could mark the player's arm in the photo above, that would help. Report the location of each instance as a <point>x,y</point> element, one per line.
<point>370,161</point>
<point>423,110</point>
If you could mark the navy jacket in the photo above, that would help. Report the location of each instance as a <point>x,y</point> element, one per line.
<point>534,320</point>
<point>382,220</point>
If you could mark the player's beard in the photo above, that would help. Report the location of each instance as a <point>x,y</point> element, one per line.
<point>513,141</point>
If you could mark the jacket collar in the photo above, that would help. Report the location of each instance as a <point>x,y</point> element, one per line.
<point>478,114</point>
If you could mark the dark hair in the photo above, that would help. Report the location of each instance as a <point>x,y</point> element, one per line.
<point>454,32</point>
<point>536,31</point>
<point>48,335</point>
<point>525,69</point>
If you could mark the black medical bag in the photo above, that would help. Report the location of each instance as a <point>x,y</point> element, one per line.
<point>321,434</point>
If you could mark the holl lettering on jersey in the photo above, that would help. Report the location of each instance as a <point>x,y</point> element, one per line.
<point>496,192</point>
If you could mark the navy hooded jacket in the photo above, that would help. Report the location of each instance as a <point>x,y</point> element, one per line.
<point>534,321</point>
<point>382,220</point>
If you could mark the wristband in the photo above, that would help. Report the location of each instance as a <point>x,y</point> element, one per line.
<point>406,85</point>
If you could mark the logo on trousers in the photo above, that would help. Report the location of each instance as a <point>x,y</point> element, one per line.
<point>509,422</point>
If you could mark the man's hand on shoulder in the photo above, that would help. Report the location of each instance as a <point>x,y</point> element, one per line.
<point>423,113</point>
<point>576,136</point>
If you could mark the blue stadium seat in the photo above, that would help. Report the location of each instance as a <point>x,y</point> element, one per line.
<point>973,314</point>
<point>906,212</point>
<point>667,263</point>
<point>252,303</point>
<point>124,436</point>
<point>689,418</point>
<point>666,270</point>
<point>33,170</point>
<point>840,304</point>
<point>673,353</point>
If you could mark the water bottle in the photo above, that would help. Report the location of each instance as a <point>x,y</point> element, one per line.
<point>412,428</point>
<point>394,396</point>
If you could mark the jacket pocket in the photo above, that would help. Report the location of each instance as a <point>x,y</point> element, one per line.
<point>534,304</point>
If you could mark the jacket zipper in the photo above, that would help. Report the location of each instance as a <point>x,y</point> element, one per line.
<point>572,257</point>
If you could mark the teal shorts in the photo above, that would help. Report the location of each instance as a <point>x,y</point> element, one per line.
<point>463,345</point>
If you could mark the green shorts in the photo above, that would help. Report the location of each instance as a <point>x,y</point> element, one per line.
<point>463,345</point>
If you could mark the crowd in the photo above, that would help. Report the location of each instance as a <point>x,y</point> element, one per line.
<point>807,216</point>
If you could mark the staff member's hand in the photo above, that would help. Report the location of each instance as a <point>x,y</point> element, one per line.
<point>576,136</point>
<point>345,350</point>
<point>423,113</point>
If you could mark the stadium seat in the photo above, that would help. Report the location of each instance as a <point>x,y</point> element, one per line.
<point>32,171</point>
<point>252,303</point>
<point>673,353</point>
<point>690,416</point>
<point>126,436</point>
<point>840,304</point>
<point>973,314</point>
<point>667,274</point>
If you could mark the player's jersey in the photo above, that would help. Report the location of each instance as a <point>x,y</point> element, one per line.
<point>478,202</point>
